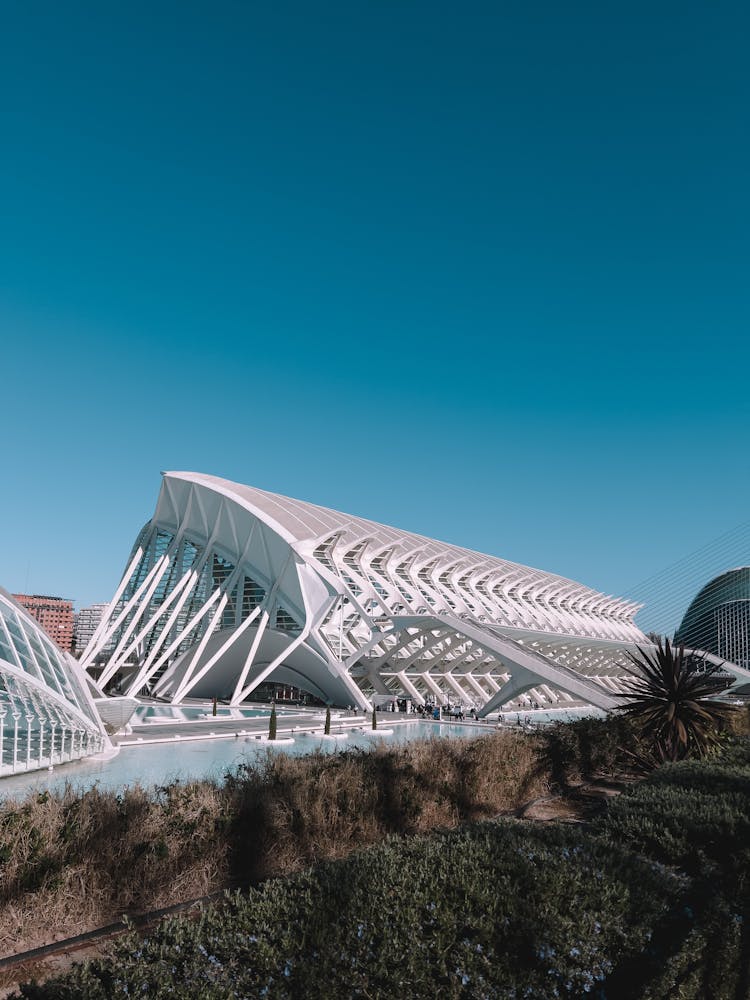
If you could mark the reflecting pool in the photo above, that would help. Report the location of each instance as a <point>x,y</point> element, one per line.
<point>199,713</point>
<point>161,763</point>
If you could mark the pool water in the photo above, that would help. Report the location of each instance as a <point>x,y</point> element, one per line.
<point>173,713</point>
<point>162,763</point>
<point>547,716</point>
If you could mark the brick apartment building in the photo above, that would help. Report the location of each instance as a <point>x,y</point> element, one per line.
<point>54,614</point>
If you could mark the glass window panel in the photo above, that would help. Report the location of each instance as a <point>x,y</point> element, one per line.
<point>48,674</point>
<point>6,650</point>
<point>23,651</point>
<point>252,596</point>
<point>285,621</point>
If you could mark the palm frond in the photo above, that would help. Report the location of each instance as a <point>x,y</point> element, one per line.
<point>671,701</point>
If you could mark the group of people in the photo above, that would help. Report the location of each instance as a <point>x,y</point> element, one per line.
<point>453,711</point>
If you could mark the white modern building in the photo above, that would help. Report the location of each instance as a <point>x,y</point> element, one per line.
<point>229,586</point>
<point>48,713</point>
<point>718,618</point>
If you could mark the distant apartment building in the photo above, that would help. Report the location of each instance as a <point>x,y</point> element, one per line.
<point>84,625</point>
<point>54,614</point>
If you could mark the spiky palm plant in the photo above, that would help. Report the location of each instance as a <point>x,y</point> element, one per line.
<point>272,724</point>
<point>327,725</point>
<point>671,702</point>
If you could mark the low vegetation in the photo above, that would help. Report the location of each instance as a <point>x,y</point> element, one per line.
<point>491,910</point>
<point>73,862</point>
<point>648,903</point>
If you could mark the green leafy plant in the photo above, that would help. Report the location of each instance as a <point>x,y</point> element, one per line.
<point>327,727</point>
<point>536,912</point>
<point>272,724</point>
<point>694,814</point>
<point>670,701</point>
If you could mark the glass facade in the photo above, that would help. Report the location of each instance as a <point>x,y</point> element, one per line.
<point>718,619</point>
<point>166,621</point>
<point>46,716</point>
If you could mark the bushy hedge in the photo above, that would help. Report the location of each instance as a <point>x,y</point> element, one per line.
<point>695,814</point>
<point>497,910</point>
<point>694,817</point>
<point>651,902</point>
<point>588,747</point>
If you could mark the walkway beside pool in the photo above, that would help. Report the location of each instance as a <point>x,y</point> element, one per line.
<point>196,722</point>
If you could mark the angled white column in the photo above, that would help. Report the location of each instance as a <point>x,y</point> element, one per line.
<point>436,691</point>
<point>477,687</point>
<point>151,622</point>
<point>146,673</point>
<point>159,569</point>
<point>189,627</point>
<point>261,676</point>
<point>210,628</point>
<point>191,680</point>
<point>95,644</point>
<point>294,644</point>
<point>113,626</point>
<point>237,697</point>
<point>407,685</point>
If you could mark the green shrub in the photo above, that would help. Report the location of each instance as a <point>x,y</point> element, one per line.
<point>694,816</point>
<point>590,747</point>
<point>272,724</point>
<point>734,749</point>
<point>492,910</point>
<point>651,903</point>
<point>690,815</point>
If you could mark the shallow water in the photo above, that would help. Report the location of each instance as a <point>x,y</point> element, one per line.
<point>545,716</point>
<point>174,713</point>
<point>162,763</point>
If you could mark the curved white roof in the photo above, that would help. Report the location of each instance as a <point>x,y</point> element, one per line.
<point>299,521</point>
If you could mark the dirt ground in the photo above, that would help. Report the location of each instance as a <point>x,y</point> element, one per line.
<point>578,804</point>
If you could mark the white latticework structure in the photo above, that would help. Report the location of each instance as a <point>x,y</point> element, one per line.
<point>47,713</point>
<point>229,586</point>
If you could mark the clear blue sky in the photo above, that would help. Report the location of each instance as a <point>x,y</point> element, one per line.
<point>475,270</point>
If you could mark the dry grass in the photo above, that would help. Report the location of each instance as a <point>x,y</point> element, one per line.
<point>73,862</point>
<point>738,722</point>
